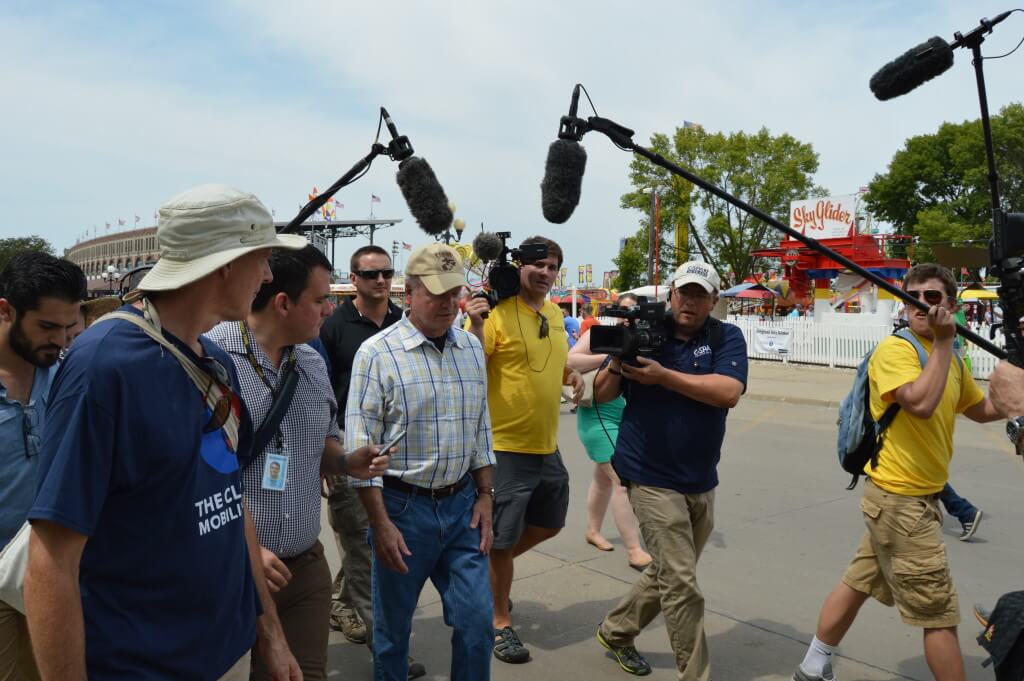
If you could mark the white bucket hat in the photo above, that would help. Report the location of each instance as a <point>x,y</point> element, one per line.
<point>207,227</point>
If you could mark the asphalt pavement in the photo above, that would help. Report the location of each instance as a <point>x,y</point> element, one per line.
<point>785,527</point>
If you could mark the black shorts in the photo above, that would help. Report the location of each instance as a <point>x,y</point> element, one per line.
<point>530,489</point>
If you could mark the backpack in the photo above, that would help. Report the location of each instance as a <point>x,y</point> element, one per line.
<point>860,436</point>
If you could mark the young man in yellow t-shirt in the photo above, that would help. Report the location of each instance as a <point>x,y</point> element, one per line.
<point>526,345</point>
<point>901,559</point>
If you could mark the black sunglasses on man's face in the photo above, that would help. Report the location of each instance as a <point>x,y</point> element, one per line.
<point>930,296</point>
<point>373,274</point>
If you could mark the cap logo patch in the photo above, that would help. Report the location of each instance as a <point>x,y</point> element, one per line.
<point>447,261</point>
<point>699,271</point>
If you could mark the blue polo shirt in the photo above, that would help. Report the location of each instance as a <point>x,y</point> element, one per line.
<point>21,431</point>
<point>669,440</point>
<point>167,590</point>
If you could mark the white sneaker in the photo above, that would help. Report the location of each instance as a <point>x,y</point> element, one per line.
<point>826,674</point>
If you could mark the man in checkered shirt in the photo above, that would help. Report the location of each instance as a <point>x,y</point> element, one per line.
<point>430,515</point>
<point>282,482</point>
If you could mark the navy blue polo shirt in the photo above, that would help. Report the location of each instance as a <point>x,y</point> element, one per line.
<point>669,440</point>
<point>167,589</point>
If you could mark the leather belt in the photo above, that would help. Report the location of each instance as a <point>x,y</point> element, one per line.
<point>433,493</point>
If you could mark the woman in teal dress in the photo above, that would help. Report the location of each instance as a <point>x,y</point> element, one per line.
<point>598,429</point>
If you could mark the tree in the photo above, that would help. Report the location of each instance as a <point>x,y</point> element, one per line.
<point>632,263</point>
<point>22,244</point>
<point>766,171</point>
<point>936,186</point>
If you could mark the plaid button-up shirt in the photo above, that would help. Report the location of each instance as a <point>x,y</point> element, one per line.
<point>287,522</point>
<point>400,380</point>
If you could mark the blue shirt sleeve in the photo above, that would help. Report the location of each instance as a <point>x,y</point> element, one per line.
<point>731,358</point>
<point>77,456</point>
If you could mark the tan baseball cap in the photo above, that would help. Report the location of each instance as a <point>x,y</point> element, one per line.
<point>438,266</point>
<point>207,227</point>
<point>696,272</point>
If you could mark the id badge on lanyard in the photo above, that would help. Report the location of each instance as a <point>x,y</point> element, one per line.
<point>275,469</point>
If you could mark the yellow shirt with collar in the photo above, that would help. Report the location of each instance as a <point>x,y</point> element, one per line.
<point>524,375</point>
<point>915,455</point>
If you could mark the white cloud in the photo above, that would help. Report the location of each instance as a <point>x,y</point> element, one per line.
<point>477,86</point>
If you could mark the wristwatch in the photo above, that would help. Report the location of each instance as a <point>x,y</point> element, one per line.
<point>485,490</point>
<point>1015,429</point>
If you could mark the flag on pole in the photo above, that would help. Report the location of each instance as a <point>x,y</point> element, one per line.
<point>583,273</point>
<point>406,247</point>
<point>374,198</point>
<point>338,204</point>
<point>108,226</point>
<point>156,215</point>
<point>137,218</point>
<point>120,222</point>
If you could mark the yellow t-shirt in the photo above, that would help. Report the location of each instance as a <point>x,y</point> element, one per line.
<point>524,376</point>
<point>915,454</point>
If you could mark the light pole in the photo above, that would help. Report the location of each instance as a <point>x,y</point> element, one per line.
<point>110,275</point>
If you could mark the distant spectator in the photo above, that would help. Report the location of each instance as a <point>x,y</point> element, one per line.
<point>572,327</point>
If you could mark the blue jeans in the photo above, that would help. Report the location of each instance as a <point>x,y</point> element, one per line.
<point>956,505</point>
<point>446,551</point>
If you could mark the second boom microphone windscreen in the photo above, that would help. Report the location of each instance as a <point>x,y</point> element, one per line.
<point>563,179</point>
<point>912,68</point>
<point>423,194</point>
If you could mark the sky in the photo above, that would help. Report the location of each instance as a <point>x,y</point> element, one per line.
<point>114,107</point>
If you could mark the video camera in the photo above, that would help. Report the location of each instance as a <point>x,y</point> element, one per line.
<point>503,277</point>
<point>647,327</point>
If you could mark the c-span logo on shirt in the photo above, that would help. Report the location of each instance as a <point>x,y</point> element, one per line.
<point>701,351</point>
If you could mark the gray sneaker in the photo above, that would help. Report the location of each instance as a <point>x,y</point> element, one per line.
<point>971,526</point>
<point>826,674</point>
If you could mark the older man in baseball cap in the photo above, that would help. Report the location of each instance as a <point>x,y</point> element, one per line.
<point>143,559</point>
<point>430,515</point>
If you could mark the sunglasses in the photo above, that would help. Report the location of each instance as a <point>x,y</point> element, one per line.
<point>228,401</point>
<point>930,296</point>
<point>373,274</point>
<point>545,328</point>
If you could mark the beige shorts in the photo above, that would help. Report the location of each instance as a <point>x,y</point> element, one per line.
<point>902,560</point>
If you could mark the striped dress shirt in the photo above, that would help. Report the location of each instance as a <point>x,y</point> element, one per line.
<point>287,522</point>
<point>401,381</point>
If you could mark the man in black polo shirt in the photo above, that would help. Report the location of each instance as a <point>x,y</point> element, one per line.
<point>354,321</point>
<point>667,454</point>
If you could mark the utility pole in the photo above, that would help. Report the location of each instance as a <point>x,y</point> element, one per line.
<point>652,239</point>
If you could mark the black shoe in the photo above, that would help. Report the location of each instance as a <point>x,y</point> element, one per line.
<point>416,669</point>
<point>508,648</point>
<point>628,658</point>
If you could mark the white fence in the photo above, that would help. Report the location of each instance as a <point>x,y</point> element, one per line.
<point>841,343</point>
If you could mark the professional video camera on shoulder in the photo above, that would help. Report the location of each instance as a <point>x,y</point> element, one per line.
<point>503,275</point>
<point>646,328</point>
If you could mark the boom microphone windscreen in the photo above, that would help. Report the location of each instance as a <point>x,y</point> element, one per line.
<point>487,246</point>
<point>563,179</point>
<point>912,68</point>
<point>423,194</point>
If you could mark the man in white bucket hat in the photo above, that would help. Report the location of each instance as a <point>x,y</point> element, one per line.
<point>143,561</point>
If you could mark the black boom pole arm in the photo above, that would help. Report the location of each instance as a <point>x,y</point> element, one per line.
<point>623,138</point>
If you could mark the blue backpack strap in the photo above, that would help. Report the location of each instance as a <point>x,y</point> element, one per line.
<point>922,355</point>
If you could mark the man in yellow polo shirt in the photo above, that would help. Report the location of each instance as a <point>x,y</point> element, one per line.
<point>525,342</point>
<point>901,559</point>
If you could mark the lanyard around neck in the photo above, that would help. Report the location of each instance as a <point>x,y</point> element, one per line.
<point>251,356</point>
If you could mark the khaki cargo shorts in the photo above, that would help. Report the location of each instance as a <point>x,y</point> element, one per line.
<point>902,560</point>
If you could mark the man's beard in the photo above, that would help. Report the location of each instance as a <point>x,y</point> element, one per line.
<point>22,346</point>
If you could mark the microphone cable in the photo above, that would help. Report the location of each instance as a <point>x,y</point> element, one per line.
<point>1000,56</point>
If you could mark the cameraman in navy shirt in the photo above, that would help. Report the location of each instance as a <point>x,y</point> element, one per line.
<point>667,455</point>
<point>143,561</point>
